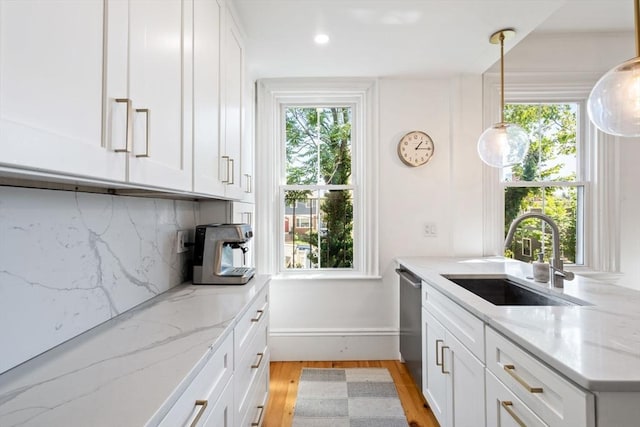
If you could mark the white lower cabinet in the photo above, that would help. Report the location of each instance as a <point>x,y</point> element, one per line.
<point>453,377</point>
<point>555,400</point>
<point>209,386</point>
<point>232,387</point>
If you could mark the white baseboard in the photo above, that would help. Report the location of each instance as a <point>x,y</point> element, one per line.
<point>334,344</point>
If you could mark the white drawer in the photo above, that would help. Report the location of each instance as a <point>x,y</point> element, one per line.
<point>467,328</point>
<point>250,364</point>
<point>221,414</point>
<point>550,396</point>
<point>257,403</point>
<point>207,386</point>
<point>504,408</point>
<point>250,321</point>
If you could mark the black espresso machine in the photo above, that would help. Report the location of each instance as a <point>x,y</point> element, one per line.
<point>213,254</point>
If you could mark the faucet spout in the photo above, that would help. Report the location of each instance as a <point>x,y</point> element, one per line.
<point>558,275</point>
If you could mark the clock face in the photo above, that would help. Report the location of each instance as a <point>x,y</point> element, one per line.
<point>415,148</point>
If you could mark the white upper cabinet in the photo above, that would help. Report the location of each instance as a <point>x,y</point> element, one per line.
<point>145,93</point>
<point>51,88</point>
<point>160,90</point>
<point>233,108</point>
<point>206,97</point>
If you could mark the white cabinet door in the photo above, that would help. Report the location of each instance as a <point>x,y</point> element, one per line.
<point>51,88</point>
<point>232,63</point>
<point>160,88</point>
<point>222,413</point>
<point>434,380</point>
<point>206,98</point>
<point>248,140</point>
<point>453,378</point>
<point>466,380</point>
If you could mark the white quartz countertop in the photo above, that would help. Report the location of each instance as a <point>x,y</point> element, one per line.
<point>597,346</point>
<point>123,371</point>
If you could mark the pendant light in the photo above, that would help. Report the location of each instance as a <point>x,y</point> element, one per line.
<point>503,144</point>
<point>614,102</point>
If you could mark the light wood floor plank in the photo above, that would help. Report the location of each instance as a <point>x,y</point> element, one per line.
<point>283,389</point>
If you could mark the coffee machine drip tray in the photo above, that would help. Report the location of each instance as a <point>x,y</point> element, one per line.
<point>234,276</point>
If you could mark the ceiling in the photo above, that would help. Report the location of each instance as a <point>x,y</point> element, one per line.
<point>405,38</point>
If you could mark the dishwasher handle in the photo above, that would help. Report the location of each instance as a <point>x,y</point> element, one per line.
<point>409,277</point>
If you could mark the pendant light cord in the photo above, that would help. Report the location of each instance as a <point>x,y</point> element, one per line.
<point>636,10</point>
<point>502,75</point>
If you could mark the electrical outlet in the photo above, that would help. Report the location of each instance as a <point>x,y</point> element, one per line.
<point>181,238</point>
<point>430,229</point>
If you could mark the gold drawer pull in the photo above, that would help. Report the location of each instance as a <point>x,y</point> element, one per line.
<point>257,318</point>
<point>228,159</point>
<point>510,370</point>
<point>248,181</point>
<point>442,357</point>
<point>231,176</point>
<point>203,405</point>
<point>128,125</point>
<point>145,111</point>
<point>257,423</point>
<point>437,351</point>
<point>507,404</point>
<point>257,365</point>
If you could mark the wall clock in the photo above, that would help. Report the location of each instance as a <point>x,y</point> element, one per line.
<point>415,148</point>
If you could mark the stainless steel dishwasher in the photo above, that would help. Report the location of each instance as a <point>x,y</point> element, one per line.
<point>411,323</point>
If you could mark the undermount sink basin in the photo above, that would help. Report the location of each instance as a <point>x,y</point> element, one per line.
<point>503,291</point>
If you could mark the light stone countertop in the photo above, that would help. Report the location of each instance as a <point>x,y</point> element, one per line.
<point>123,371</point>
<point>596,346</point>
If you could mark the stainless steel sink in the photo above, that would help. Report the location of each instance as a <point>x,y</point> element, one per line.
<point>501,290</point>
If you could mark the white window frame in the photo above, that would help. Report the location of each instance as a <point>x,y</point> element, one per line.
<point>273,96</point>
<point>597,164</point>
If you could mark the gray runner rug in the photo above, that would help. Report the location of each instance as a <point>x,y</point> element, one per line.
<point>352,397</point>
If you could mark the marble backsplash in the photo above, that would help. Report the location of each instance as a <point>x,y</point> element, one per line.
<point>70,261</point>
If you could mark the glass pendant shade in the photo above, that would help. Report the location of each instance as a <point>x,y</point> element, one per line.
<point>614,102</point>
<point>503,144</point>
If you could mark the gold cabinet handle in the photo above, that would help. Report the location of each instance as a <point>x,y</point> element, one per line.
<point>249,183</point>
<point>145,111</point>
<point>257,318</point>
<point>442,357</point>
<point>260,357</point>
<point>226,181</point>
<point>129,127</point>
<point>510,370</point>
<point>507,404</point>
<point>257,423</point>
<point>233,171</point>
<point>203,405</point>
<point>437,351</point>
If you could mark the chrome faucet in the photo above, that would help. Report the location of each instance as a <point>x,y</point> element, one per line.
<point>557,273</point>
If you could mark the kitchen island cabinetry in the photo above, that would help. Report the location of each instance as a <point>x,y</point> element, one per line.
<point>154,365</point>
<point>451,372</point>
<point>553,365</point>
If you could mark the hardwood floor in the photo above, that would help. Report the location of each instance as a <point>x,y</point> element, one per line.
<point>283,388</point>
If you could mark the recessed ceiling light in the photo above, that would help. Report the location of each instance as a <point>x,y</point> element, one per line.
<point>321,39</point>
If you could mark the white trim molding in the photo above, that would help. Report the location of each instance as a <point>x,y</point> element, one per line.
<point>273,95</point>
<point>334,344</point>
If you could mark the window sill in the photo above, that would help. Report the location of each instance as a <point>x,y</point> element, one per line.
<point>325,276</point>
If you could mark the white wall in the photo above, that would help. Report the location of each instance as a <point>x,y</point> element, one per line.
<point>358,319</point>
